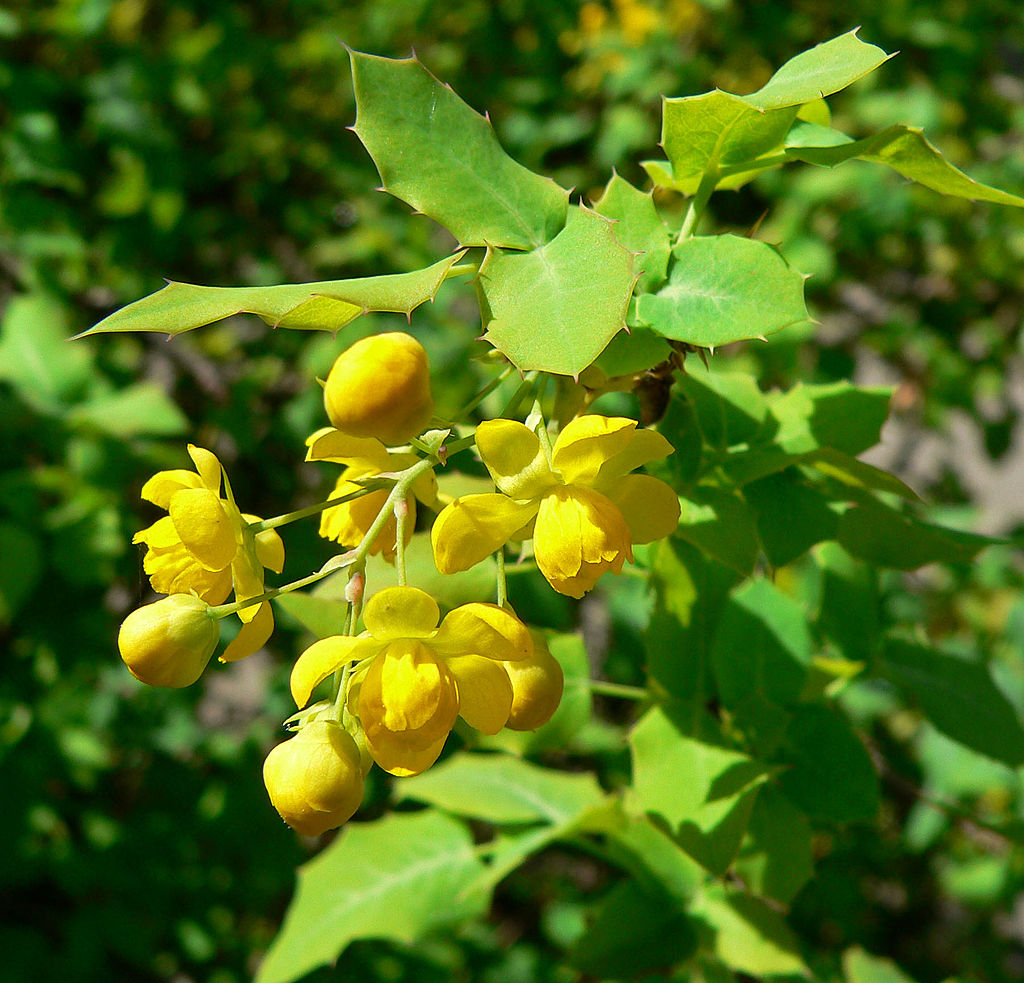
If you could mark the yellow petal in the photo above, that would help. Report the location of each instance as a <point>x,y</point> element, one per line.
<point>164,484</point>
<point>586,443</point>
<point>269,547</point>
<point>161,535</point>
<point>579,535</point>
<point>394,756</point>
<point>401,612</point>
<point>644,446</point>
<point>473,527</point>
<point>349,522</point>
<point>247,579</point>
<point>176,571</point>
<point>649,506</point>
<point>329,444</point>
<point>513,455</point>
<point>483,629</point>
<point>252,636</point>
<point>408,702</point>
<point>324,657</point>
<point>485,692</point>
<point>208,466</point>
<point>204,527</point>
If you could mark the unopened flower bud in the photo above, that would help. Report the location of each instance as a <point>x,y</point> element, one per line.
<point>169,642</point>
<point>315,780</point>
<point>380,387</point>
<point>354,587</point>
<point>537,684</point>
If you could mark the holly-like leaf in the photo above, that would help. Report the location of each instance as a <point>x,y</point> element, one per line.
<point>397,878</point>
<point>443,158</point>
<point>906,151</point>
<point>723,289</point>
<point>326,305</point>
<point>557,307</point>
<point>959,698</point>
<point>813,74</point>
<point>639,227</point>
<point>717,132</point>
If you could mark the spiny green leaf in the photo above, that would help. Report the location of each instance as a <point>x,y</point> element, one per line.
<point>397,878</point>
<point>958,697</point>
<point>442,157</point>
<point>718,131</point>
<point>824,69</point>
<point>723,289</point>
<point>906,151</point>
<point>557,307</point>
<point>326,305</point>
<point>639,227</point>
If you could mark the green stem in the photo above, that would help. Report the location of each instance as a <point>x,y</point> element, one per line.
<point>542,430</point>
<point>485,392</point>
<point>223,610</point>
<point>401,510</point>
<point>603,688</point>
<point>698,203</point>
<point>524,390</point>
<point>502,587</point>
<point>282,520</point>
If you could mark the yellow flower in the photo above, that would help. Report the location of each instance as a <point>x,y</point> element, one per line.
<point>169,642</point>
<point>583,507</point>
<point>315,780</point>
<point>416,677</point>
<point>204,546</point>
<point>537,685</point>
<point>365,457</point>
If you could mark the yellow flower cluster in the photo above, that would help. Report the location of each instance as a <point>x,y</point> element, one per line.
<point>401,683</point>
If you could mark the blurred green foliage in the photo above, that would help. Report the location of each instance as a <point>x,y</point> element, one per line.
<point>206,143</point>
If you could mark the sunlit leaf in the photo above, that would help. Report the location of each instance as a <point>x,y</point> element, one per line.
<point>326,305</point>
<point>557,307</point>
<point>639,227</point>
<point>442,157</point>
<point>722,289</point>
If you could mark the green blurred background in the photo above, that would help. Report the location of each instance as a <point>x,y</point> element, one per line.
<point>207,143</point>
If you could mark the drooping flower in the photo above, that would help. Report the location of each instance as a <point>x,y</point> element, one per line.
<point>169,642</point>
<point>583,508</point>
<point>415,677</point>
<point>205,546</point>
<point>314,780</point>
<point>365,457</point>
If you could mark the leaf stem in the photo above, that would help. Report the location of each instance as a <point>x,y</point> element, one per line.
<point>305,513</point>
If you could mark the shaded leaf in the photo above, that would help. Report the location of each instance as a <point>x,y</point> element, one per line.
<point>722,289</point>
<point>776,859</point>
<point>326,305</point>
<point>729,405</point>
<point>143,408</point>
<point>958,697</point>
<point>883,536</point>
<point>763,645</point>
<point>656,934</point>
<point>723,525</point>
<point>861,967</point>
<point>792,515</point>
<point>443,158</point>
<point>840,415</point>
<point>397,878</point>
<point>830,774</point>
<point>557,307</point>
<point>632,351</point>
